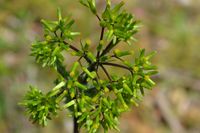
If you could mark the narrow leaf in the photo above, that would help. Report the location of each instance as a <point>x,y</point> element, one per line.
<point>69,104</point>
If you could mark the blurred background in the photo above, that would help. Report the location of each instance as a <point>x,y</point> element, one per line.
<point>171,27</point>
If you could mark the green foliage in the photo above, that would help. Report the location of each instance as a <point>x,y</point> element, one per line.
<point>49,51</point>
<point>91,4</point>
<point>40,107</point>
<point>94,101</point>
<point>120,24</point>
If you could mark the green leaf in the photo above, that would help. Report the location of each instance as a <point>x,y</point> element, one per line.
<point>150,82</point>
<point>69,25</point>
<point>142,53</point>
<point>74,33</point>
<point>60,85</point>
<point>59,14</point>
<point>152,73</point>
<point>47,25</point>
<point>72,92</point>
<point>142,91</point>
<point>108,3</point>
<point>69,104</point>
<point>84,3</point>
<point>126,87</point>
<point>81,86</point>
<point>149,67</point>
<point>74,68</point>
<point>61,97</point>
<point>106,15</point>
<point>100,46</point>
<point>91,56</point>
<point>109,34</point>
<point>55,51</point>
<point>122,100</point>
<point>117,7</point>
<point>149,56</point>
<point>119,53</point>
<point>92,5</point>
<point>106,103</point>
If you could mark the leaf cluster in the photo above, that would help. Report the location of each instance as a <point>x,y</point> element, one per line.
<point>56,33</point>
<point>120,24</point>
<point>40,107</point>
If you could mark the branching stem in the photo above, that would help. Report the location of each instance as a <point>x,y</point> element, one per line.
<point>118,65</point>
<point>76,129</point>
<point>98,17</point>
<point>106,72</point>
<point>109,47</point>
<point>77,50</point>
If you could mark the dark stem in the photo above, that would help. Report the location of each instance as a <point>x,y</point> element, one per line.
<point>106,72</point>
<point>118,65</point>
<point>109,47</point>
<point>74,48</point>
<point>76,129</point>
<point>61,69</point>
<point>98,17</point>
<point>77,50</point>
<point>102,33</point>
<point>118,58</point>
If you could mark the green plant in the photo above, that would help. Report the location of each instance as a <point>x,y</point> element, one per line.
<point>93,101</point>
